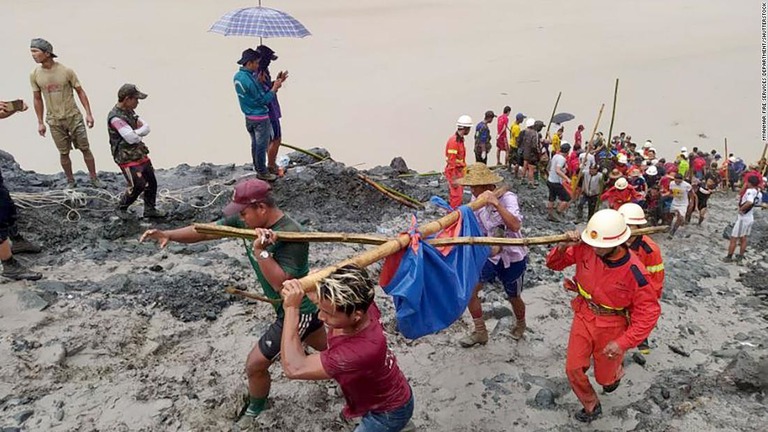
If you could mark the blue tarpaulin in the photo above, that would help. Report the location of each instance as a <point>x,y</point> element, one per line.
<point>431,290</point>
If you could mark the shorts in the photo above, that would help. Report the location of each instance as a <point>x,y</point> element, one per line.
<point>502,143</point>
<point>557,191</point>
<point>269,343</point>
<point>277,131</point>
<point>68,134</point>
<point>681,210</point>
<point>512,277</point>
<point>742,227</point>
<point>7,215</point>
<point>701,205</point>
<point>666,204</point>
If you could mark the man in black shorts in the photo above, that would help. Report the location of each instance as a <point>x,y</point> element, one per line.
<point>10,240</point>
<point>274,262</point>
<point>555,181</point>
<point>703,191</point>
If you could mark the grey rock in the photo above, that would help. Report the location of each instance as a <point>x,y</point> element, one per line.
<point>170,266</point>
<point>503,325</point>
<point>499,311</point>
<point>52,286</point>
<point>28,300</point>
<point>398,164</point>
<point>59,415</point>
<point>638,358</point>
<point>743,371</point>
<point>156,268</point>
<point>23,416</point>
<point>559,386</point>
<point>726,353</point>
<point>740,336</point>
<point>202,262</point>
<point>52,355</point>
<point>545,399</point>
<point>10,429</point>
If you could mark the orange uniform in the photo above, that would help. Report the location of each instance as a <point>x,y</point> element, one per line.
<point>617,197</point>
<point>609,291</point>
<point>455,165</point>
<point>649,254</point>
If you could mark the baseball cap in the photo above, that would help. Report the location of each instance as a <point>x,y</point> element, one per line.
<point>519,117</point>
<point>248,192</point>
<point>248,55</point>
<point>130,90</point>
<point>43,45</point>
<point>538,123</point>
<point>266,52</point>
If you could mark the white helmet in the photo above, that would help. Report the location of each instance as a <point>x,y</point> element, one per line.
<point>652,171</point>
<point>622,158</point>
<point>633,214</point>
<point>606,229</point>
<point>648,144</point>
<point>683,149</point>
<point>529,122</point>
<point>464,121</point>
<point>621,183</point>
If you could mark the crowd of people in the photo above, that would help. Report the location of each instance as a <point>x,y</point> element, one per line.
<point>608,173</point>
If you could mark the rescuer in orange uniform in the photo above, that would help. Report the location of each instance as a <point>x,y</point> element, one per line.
<point>648,252</point>
<point>455,160</point>
<point>613,286</point>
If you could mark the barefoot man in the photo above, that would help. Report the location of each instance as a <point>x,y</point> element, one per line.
<point>253,206</point>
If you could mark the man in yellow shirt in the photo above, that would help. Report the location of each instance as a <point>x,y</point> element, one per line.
<point>56,84</point>
<point>514,158</point>
<point>557,139</point>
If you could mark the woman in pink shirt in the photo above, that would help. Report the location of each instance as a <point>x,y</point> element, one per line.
<point>357,357</point>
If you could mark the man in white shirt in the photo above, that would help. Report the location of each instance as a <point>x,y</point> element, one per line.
<point>679,189</point>
<point>555,181</point>
<point>743,226</point>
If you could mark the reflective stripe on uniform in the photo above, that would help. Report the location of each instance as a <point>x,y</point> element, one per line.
<point>655,268</point>
<point>588,296</point>
<point>452,151</point>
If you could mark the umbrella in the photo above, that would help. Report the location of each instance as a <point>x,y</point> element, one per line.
<point>259,22</point>
<point>562,117</point>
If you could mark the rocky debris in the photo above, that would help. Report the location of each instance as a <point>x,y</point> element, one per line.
<point>678,350</point>
<point>398,164</point>
<point>23,416</point>
<point>28,300</point>
<point>51,355</point>
<point>545,399</point>
<point>744,372</point>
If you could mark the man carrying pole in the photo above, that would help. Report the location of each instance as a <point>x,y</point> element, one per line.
<point>612,286</point>
<point>500,217</point>
<point>274,262</point>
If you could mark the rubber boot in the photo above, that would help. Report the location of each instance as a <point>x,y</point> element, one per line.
<point>12,269</point>
<point>479,336</point>
<point>153,213</point>
<point>585,417</point>
<point>519,330</point>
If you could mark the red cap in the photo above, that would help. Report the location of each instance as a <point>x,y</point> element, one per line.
<point>248,192</point>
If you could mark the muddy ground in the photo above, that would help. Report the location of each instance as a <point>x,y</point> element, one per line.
<point>122,336</point>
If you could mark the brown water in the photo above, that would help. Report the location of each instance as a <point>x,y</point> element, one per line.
<point>380,78</point>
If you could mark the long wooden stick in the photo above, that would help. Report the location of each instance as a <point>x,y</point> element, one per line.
<point>502,241</point>
<point>613,110</point>
<point>291,236</point>
<point>392,246</point>
<point>306,152</point>
<point>389,194</point>
<point>594,130</point>
<point>554,110</point>
<point>250,295</point>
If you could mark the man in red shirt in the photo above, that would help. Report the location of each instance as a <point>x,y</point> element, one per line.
<point>455,160</point>
<point>357,357</point>
<point>612,286</point>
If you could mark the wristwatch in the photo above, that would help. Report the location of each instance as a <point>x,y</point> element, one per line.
<point>262,255</point>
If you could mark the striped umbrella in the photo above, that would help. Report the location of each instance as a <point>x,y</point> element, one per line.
<point>261,22</point>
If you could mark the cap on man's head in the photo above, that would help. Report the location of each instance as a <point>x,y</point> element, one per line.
<point>129,90</point>
<point>43,45</point>
<point>248,192</point>
<point>519,117</point>
<point>266,52</point>
<point>489,114</point>
<point>538,124</point>
<point>248,55</point>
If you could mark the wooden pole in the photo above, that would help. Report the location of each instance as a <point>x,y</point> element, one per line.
<point>763,161</point>
<point>727,166</point>
<point>291,236</point>
<point>306,152</point>
<point>382,251</point>
<point>594,130</point>
<point>554,110</point>
<point>249,295</point>
<point>392,194</point>
<point>613,110</point>
<point>503,241</point>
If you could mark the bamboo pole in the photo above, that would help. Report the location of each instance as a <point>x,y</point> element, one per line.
<point>290,236</point>
<point>613,110</point>
<point>392,246</point>
<point>594,130</point>
<point>502,241</point>
<point>250,295</point>
<point>426,174</point>
<point>394,195</point>
<point>554,110</point>
<point>727,166</point>
<point>306,152</point>
<point>763,161</point>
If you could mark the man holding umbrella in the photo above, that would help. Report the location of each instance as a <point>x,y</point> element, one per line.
<point>254,100</point>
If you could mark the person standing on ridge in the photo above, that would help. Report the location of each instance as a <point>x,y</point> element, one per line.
<point>254,101</point>
<point>455,160</point>
<point>502,141</point>
<point>53,85</point>
<point>515,159</point>
<point>616,306</point>
<point>483,138</point>
<point>500,217</point>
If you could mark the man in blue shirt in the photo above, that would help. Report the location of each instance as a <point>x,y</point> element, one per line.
<point>483,138</point>
<point>254,103</point>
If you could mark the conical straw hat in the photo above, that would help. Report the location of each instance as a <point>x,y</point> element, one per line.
<point>478,175</point>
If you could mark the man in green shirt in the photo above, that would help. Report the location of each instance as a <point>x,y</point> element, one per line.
<point>274,262</point>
